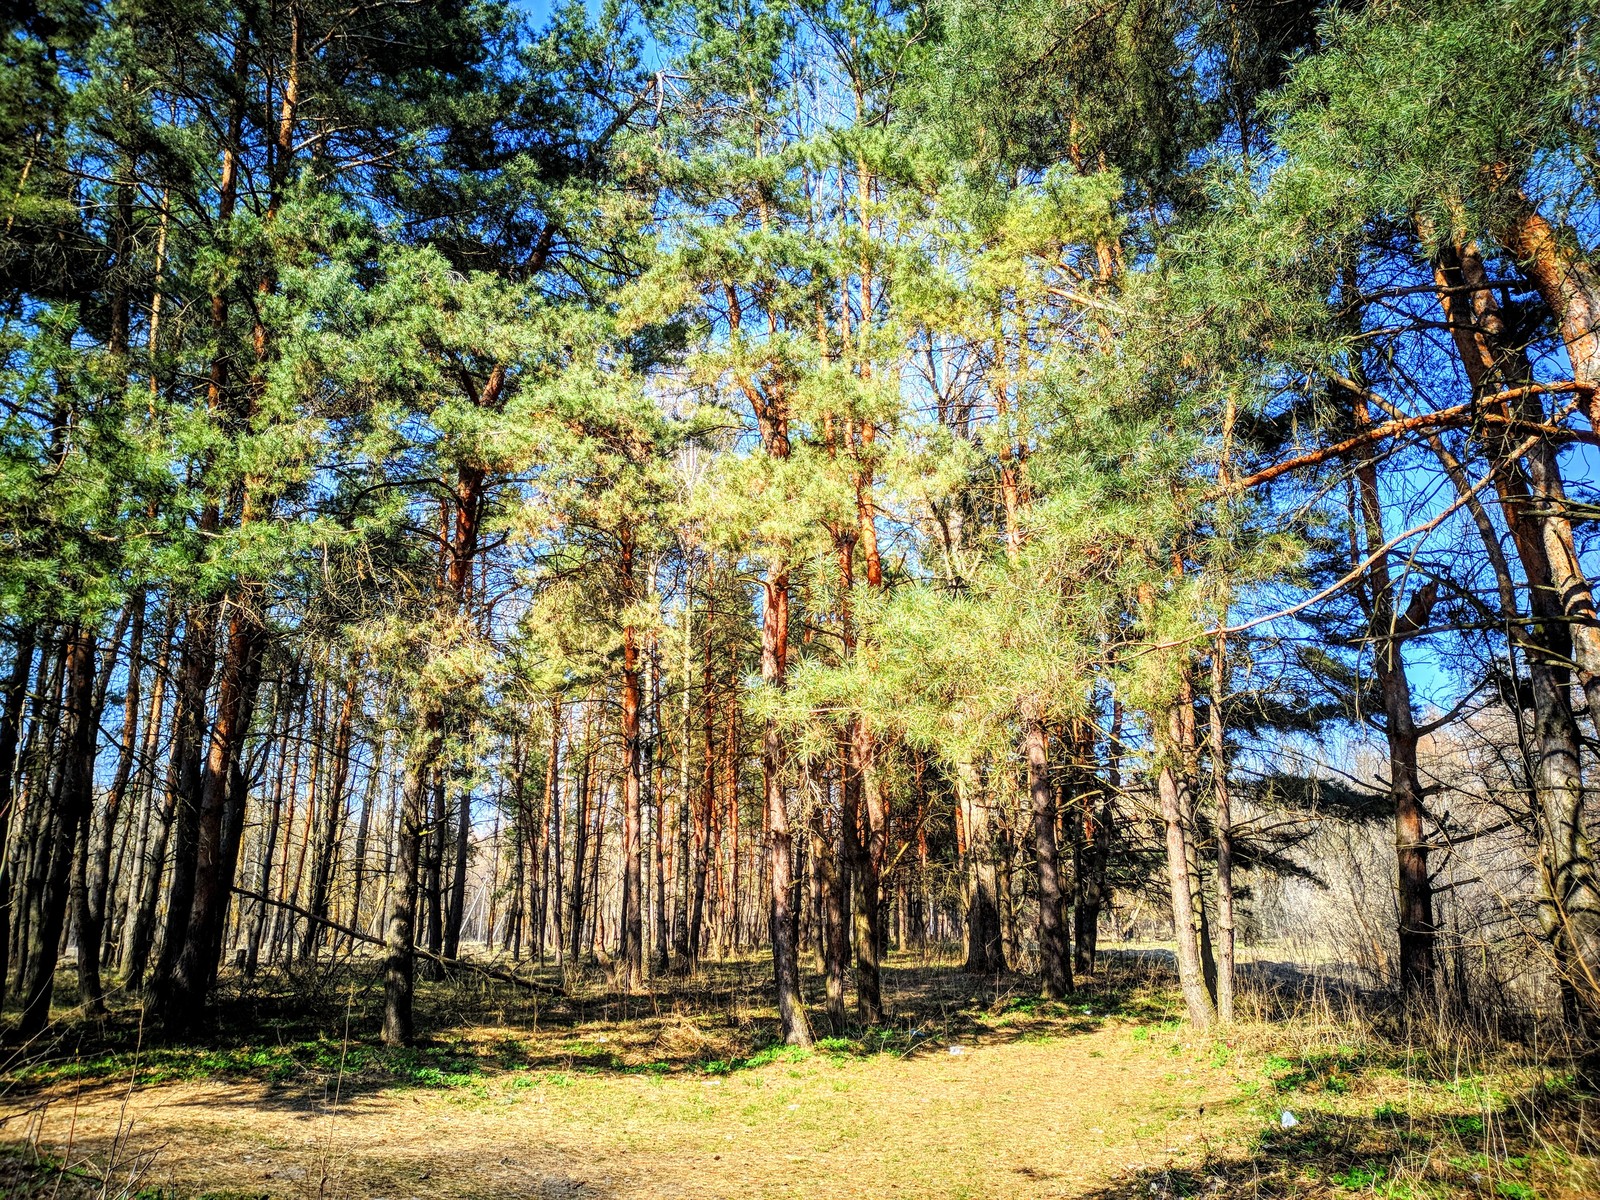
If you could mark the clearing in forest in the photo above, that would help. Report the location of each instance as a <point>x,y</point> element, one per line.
<point>977,1090</point>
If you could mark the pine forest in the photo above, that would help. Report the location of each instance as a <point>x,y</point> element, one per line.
<point>800,598</point>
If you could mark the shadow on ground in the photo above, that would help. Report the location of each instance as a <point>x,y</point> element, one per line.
<point>1540,1142</point>
<point>28,1176</point>
<point>312,1031</point>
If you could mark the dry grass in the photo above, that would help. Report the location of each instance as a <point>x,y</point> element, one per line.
<point>683,1093</point>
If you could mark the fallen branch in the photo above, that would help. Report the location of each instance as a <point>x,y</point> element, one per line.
<point>453,964</point>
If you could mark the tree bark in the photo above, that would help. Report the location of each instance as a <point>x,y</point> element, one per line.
<point>833,945</point>
<point>185,773</point>
<point>985,952</point>
<point>326,852</point>
<point>358,865</point>
<point>456,911</point>
<point>1224,810</point>
<point>1173,743</point>
<point>780,851</point>
<point>15,698</point>
<point>1055,961</point>
<point>199,653</point>
<point>269,838</point>
<point>1094,839</point>
<point>71,804</point>
<point>180,997</point>
<point>132,907</point>
<point>842,861</point>
<point>400,960</point>
<point>580,840</point>
<point>631,973</point>
<point>94,862</point>
<point>550,836</point>
<point>1191,973</point>
<point>1387,627</point>
<point>684,804</point>
<point>704,844</point>
<point>864,875</point>
<point>433,874</point>
<point>657,776</point>
<point>1535,511</point>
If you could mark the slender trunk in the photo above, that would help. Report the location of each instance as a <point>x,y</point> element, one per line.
<point>1055,961</point>
<point>1005,847</point>
<point>865,877</point>
<point>550,834</point>
<point>681,858</point>
<point>780,851</point>
<point>704,847</point>
<point>924,909</point>
<point>596,848</point>
<point>520,836</point>
<point>43,757</point>
<point>631,966</point>
<point>1094,823</point>
<point>138,937</point>
<point>93,875</point>
<point>180,998</point>
<point>400,959</point>
<point>856,779</point>
<point>433,890</point>
<point>15,699</point>
<point>730,787</point>
<point>71,804</point>
<point>1191,977</point>
<point>93,868</point>
<point>196,661</point>
<point>1224,816</point>
<point>663,935</point>
<point>458,876</point>
<point>1418,931</point>
<point>289,886</point>
<point>198,657</point>
<point>369,800</point>
<point>1177,806</point>
<point>138,882</point>
<point>580,839</point>
<point>857,823</point>
<point>1535,512</point>
<point>269,838</point>
<point>1197,893</point>
<point>831,900</point>
<point>326,851</point>
<point>557,896</point>
<point>985,955</point>
<point>773,418</point>
<point>841,859</point>
<point>1387,628</point>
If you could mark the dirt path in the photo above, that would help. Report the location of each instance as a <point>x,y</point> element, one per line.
<point>1054,1116</point>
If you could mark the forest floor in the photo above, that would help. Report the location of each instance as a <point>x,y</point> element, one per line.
<point>975,1089</point>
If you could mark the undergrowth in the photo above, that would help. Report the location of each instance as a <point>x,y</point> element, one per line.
<point>1345,1097</point>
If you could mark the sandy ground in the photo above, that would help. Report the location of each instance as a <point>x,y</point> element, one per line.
<point>1059,1117</point>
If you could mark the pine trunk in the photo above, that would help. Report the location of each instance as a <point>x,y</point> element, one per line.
<point>400,959</point>
<point>1176,810</point>
<point>15,699</point>
<point>1055,961</point>
<point>69,801</point>
<point>985,954</point>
